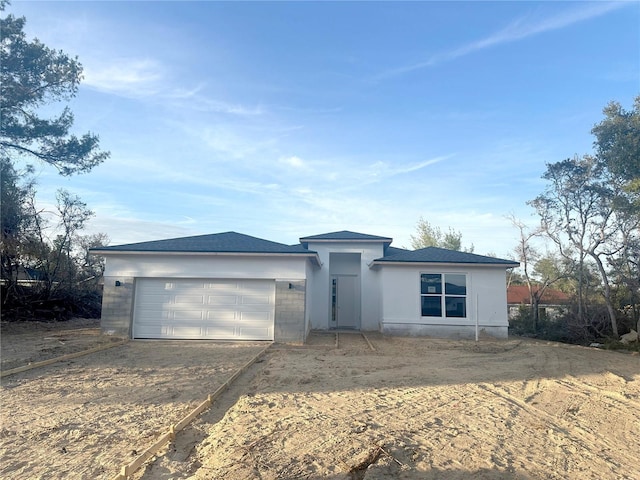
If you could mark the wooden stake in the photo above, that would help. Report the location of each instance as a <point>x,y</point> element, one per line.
<point>132,467</point>
<point>62,358</point>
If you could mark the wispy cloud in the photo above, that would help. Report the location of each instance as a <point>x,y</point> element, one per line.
<point>518,30</point>
<point>380,170</point>
<point>294,162</point>
<point>126,77</point>
<point>149,79</point>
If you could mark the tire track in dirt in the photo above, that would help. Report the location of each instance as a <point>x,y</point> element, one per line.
<point>578,386</point>
<point>588,441</point>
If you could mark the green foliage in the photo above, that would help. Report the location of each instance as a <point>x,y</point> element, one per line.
<point>48,244</point>
<point>617,143</point>
<point>428,235</point>
<point>33,75</point>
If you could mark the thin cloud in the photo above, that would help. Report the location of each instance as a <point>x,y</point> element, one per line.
<point>517,30</point>
<point>126,77</point>
<point>294,162</point>
<point>381,170</point>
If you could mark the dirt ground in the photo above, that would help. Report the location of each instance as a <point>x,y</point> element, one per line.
<point>410,408</point>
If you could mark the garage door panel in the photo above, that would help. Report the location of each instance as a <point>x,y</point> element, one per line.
<point>255,299</point>
<point>187,331</point>
<point>189,300</point>
<point>248,318</point>
<point>222,315</point>
<point>253,333</point>
<point>222,300</point>
<point>204,309</point>
<point>151,331</point>
<point>153,299</point>
<point>153,316</point>
<point>221,332</point>
<point>188,315</point>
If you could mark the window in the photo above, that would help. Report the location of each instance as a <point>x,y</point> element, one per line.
<point>443,292</point>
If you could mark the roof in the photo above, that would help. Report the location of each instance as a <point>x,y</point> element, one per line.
<point>394,250</point>
<point>442,255</point>
<point>519,294</point>
<point>228,242</point>
<point>346,235</point>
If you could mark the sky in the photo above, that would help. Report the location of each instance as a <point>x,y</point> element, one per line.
<point>288,119</point>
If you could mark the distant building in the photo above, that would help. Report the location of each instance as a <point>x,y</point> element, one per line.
<point>550,305</point>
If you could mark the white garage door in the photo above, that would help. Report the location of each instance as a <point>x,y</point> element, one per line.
<point>204,309</point>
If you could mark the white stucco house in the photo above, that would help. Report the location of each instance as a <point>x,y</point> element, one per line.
<point>230,286</point>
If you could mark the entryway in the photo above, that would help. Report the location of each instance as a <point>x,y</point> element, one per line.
<point>345,302</point>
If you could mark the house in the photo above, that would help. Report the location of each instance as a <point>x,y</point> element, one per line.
<point>231,286</point>
<point>550,304</point>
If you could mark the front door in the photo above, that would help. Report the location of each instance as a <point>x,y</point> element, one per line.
<point>345,301</point>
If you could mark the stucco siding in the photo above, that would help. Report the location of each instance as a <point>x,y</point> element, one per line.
<point>203,266</point>
<point>401,309</point>
<point>370,313</point>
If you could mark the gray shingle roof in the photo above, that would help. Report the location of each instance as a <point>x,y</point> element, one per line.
<point>442,255</point>
<point>394,250</point>
<point>346,235</point>
<point>228,242</point>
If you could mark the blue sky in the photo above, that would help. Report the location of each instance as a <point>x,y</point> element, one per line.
<point>288,119</point>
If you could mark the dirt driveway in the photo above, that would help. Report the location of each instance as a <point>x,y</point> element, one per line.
<point>410,409</point>
<point>84,418</point>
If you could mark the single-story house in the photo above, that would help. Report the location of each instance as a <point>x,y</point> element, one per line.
<point>551,303</point>
<point>230,286</point>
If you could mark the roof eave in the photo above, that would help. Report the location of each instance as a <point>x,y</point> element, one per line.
<point>342,240</point>
<point>445,264</point>
<point>311,255</point>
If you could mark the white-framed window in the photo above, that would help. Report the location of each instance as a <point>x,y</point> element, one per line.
<point>443,295</point>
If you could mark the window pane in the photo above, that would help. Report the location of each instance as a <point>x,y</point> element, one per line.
<point>431,306</point>
<point>455,306</point>
<point>455,284</point>
<point>431,283</point>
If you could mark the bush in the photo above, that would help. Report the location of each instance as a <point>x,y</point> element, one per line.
<point>28,302</point>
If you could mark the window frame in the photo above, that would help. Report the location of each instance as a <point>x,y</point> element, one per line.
<point>446,299</point>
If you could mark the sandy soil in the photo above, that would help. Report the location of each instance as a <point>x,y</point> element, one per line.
<point>23,343</point>
<point>410,409</point>
<point>87,417</point>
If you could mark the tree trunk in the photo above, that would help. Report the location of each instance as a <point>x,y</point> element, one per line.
<point>535,313</point>
<point>607,294</point>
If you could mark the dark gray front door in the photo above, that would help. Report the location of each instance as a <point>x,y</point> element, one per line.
<point>346,301</point>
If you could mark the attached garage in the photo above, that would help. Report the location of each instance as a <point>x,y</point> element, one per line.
<point>225,286</point>
<point>204,309</point>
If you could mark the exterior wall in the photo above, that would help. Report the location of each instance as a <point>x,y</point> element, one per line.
<point>370,313</point>
<point>486,302</point>
<point>290,312</point>
<point>117,306</point>
<point>291,317</point>
<point>309,297</point>
<point>206,266</point>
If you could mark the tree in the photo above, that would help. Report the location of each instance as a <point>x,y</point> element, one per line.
<point>33,75</point>
<point>538,272</point>
<point>430,236</point>
<point>617,147</point>
<point>576,212</point>
<point>16,191</point>
<point>617,144</point>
